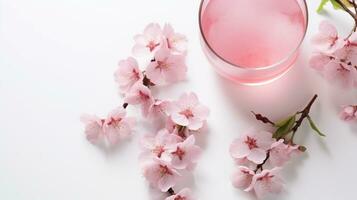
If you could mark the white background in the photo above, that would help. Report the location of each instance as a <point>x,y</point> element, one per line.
<point>57,60</point>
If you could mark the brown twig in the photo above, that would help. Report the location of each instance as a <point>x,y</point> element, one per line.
<point>304,113</point>
<point>353,15</point>
<point>260,166</point>
<point>263,119</point>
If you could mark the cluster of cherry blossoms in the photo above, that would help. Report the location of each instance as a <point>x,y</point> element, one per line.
<point>336,57</point>
<point>110,130</point>
<point>260,155</point>
<point>171,150</point>
<point>253,149</point>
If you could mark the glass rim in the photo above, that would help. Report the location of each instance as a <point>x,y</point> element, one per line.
<point>286,58</point>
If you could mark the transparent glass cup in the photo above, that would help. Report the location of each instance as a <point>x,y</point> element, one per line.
<point>252,75</point>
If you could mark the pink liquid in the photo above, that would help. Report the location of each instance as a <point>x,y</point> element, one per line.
<point>253,33</point>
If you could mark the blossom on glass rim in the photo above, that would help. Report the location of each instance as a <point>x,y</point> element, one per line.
<point>281,153</point>
<point>327,40</point>
<point>349,113</point>
<point>117,126</point>
<point>252,145</point>
<point>159,144</point>
<point>175,41</point>
<point>187,111</point>
<point>184,194</point>
<point>185,154</point>
<point>127,74</point>
<point>139,94</point>
<point>166,67</point>
<point>266,182</point>
<point>149,41</point>
<point>93,127</point>
<point>242,178</point>
<point>160,174</point>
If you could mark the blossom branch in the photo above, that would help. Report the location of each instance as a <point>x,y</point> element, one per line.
<point>261,154</point>
<point>353,15</point>
<point>172,149</point>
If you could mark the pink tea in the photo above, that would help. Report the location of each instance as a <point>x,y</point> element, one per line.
<point>253,33</point>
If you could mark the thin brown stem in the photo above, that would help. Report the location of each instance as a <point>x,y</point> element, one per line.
<point>304,114</point>
<point>171,191</point>
<point>354,5</point>
<point>181,131</point>
<point>353,15</point>
<point>260,166</point>
<point>263,119</point>
<point>344,7</point>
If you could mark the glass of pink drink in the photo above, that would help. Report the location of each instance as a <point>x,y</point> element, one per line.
<point>252,41</point>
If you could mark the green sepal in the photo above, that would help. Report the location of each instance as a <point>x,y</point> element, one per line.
<point>314,127</point>
<point>284,127</point>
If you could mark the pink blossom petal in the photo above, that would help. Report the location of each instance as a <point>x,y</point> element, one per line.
<point>238,149</point>
<point>319,61</point>
<point>257,156</point>
<point>179,119</point>
<point>242,178</point>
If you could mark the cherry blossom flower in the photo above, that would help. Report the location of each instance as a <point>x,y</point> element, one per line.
<point>178,130</point>
<point>175,41</point>
<point>245,162</point>
<point>127,74</point>
<point>184,194</point>
<point>281,153</point>
<point>349,113</point>
<point>93,127</point>
<point>327,40</point>
<point>117,126</point>
<point>339,67</point>
<point>160,174</point>
<point>252,145</point>
<point>166,67</point>
<point>344,75</point>
<point>149,41</point>
<point>140,95</point>
<point>267,182</point>
<point>319,60</point>
<point>185,154</point>
<point>159,144</point>
<point>337,58</point>
<point>158,108</point>
<point>243,177</point>
<point>188,112</point>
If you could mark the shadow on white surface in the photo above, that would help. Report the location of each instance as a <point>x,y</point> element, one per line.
<point>273,100</point>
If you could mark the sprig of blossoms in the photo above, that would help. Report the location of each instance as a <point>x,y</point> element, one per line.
<point>261,155</point>
<point>173,149</point>
<point>336,57</point>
